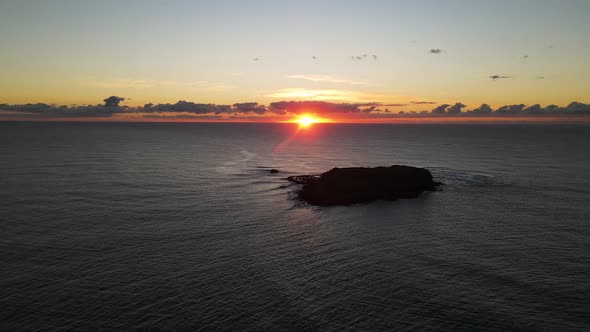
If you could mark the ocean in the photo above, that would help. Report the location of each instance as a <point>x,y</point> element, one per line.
<point>181,226</point>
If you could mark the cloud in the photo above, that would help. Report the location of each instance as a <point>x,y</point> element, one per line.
<point>183,117</point>
<point>423,102</point>
<point>442,109</point>
<point>309,94</point>
<point>498,77</point>
<point>483,109</point>
<point>52,111</point>
<point>525,56</point>
<point>533,109</point>
<point>28,108</point>
<point>374,57</point>
<point>190,107</point>
<point>253,110</point>
<point>256,59</point>
<point>281,108</point>
<point>456,109</point>
<point>574,108</point>
<point>577,108</point>
<point>511,109</point>
<point>125,83</point>
<point>328,79</point>
<point>320,107</point>
<point>435,51</point>
<point>325,95</point>
<point>250,107</point>
<point>393,105</point>
<point>113,101</point>
<point>324,107</point>
<point>540,77</point>
<point>206,85</point>
<point>552,108</point>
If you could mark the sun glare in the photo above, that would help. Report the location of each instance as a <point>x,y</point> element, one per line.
<point>306,120</point>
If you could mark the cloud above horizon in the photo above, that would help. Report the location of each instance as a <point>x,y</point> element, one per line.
<point>441,109</point>
<point>250,107</point>
<point>318,107</point>
<point>142,84</point>
<point>112,107</point>
<point>327,79</point>
<point>124,83</point>
<point>423,102</point>
<point>456,109</point>
<point>334,95</point>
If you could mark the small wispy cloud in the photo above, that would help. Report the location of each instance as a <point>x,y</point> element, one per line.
<point>423,102</point>
<point>206,85</point>
<point>499,77</point>
<point>124,83</point>
<point>325,94</point>
<point>435,51</point>
<point>365,56</point>
<point>300,93</point>
<point>393,105</point>
<point>328,79</point>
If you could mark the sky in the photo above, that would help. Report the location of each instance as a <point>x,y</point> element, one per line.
<point>400,55</point>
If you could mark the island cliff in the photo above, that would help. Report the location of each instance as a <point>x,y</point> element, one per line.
<point>344,186</point>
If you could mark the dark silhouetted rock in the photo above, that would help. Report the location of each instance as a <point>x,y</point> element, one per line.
<point>344,186</point>
<point>273,171</point>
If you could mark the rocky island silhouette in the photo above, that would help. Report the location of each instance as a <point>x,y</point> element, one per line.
<point>345,186</point>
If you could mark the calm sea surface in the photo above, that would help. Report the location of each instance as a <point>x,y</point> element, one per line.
<point>161,226</point>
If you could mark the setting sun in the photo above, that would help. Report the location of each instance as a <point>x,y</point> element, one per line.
<point>306,120</point>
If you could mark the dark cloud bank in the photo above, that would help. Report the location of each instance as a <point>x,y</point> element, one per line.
<point>190,110</point>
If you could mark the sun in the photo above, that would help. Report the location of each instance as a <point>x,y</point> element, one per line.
<point>306,120</point>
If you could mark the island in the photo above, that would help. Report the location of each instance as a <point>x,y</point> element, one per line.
<point>345,186</point>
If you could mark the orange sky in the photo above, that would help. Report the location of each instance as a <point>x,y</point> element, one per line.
<point>409,56</point>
